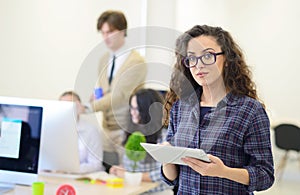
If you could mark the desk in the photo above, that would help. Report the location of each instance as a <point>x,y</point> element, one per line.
<point>82,188</point>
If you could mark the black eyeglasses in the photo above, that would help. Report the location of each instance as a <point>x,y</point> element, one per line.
<point>208,58</point>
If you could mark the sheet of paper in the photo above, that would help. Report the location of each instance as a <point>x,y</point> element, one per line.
<point>10,137</point>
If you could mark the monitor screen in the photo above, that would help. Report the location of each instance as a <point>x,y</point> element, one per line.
<point>20,134</point>
<point>59,145</point>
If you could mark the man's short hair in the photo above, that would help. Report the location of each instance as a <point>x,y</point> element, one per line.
<point>71,93</point>
<point>115,20</point>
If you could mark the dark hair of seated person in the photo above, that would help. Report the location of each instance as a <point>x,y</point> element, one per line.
<point>150,107</point>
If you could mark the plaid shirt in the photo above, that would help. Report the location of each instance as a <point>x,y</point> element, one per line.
<point>237,131</point>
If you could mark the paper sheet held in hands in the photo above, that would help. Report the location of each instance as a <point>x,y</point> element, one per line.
<point>172,154</point>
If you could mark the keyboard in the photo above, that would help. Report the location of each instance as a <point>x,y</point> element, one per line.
<point>61,174</point>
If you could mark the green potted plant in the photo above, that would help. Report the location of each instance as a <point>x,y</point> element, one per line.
<point>135,152</point>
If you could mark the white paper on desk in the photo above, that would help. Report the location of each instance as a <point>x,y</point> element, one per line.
<point>100,175</point>
<point>172,154</point>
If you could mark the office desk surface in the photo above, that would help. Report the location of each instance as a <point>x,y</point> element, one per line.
<point>82,188</point>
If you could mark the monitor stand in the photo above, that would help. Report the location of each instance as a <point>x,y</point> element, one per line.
<point>5,187</point>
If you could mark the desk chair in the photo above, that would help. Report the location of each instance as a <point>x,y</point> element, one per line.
<point>287,137</point>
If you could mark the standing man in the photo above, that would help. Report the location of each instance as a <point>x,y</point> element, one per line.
<point>120,72</point>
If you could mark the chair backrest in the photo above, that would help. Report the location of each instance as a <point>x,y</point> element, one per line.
<point>287,137</point>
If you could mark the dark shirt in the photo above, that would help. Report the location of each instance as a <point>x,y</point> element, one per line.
<point>203,111</point>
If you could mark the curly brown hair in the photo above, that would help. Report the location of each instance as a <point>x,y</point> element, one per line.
<point>236,75</point>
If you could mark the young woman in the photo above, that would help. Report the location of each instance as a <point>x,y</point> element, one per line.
<point>146,107</point>
<point>213,105</point>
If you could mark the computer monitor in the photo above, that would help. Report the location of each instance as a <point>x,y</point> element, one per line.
<point>59,142</point>
<point>20,135</point>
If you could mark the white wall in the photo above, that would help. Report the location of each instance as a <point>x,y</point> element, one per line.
<point>44,43</point>
<point>268,31</point>
<point>192,12</point>
<point>160,42</point>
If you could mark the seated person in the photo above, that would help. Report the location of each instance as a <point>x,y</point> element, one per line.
<point>146,106</point>
<point>89,138</point>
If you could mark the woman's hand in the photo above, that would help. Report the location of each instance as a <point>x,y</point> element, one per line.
<point>165,144</point>
<point>215,168</point>
<point>117,171</point>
